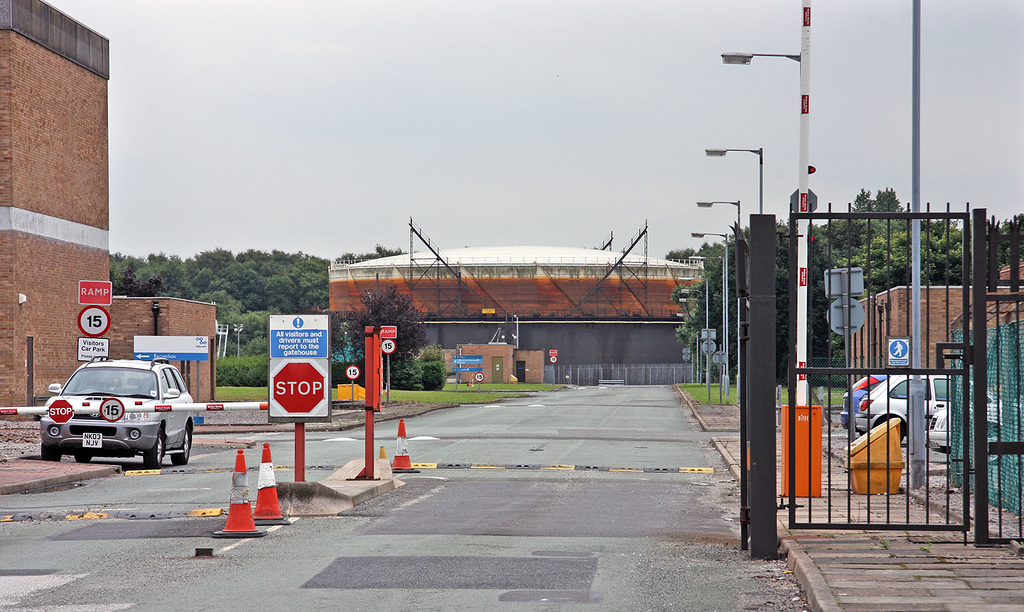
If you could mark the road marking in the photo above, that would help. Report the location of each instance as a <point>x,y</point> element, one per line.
<point>86,516</point>
<point>486,466</point>
<point>559,467</point>
<point>207,512</point>
<point>423,438</point>
<point>142,472</point>
<point>341,440</point>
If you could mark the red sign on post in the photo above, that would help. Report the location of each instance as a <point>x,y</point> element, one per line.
<point>95,293</point>
<point>299,387</point>
<point>388,332</point>
<point>60,411</point>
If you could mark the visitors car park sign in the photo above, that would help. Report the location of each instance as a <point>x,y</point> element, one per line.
<point>299,368</point>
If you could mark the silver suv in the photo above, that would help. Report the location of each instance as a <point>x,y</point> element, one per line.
<point>136,384</point>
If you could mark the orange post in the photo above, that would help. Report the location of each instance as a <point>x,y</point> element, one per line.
<point>373,380</point>
<point>807,451</point>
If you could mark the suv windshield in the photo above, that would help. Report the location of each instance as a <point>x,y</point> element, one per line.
<point>112,381</point>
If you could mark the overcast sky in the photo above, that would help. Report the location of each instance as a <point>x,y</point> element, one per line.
<point>323,126</point>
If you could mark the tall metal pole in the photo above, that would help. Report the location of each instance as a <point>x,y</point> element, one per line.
<point>916,450</point>
<point>725,316</point>
<point>802,390</point>
<point>707,325</point>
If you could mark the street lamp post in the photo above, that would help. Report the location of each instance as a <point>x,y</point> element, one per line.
<point>760,170</point>
<point>739,366</point>
<point>804,59</point>
<point>725,309</point>
<point>238,339</point>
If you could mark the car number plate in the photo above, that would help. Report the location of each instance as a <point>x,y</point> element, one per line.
<point>92,440</point>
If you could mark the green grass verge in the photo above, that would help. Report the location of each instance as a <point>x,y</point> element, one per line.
<point>700,393</point>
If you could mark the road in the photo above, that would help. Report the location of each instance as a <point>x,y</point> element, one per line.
<point>623,529</point>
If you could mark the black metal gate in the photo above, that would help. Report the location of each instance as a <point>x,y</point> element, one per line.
<point>861,364</point>
<point>998,443</point>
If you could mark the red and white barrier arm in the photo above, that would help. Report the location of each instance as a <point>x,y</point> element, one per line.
<point>190,407</point>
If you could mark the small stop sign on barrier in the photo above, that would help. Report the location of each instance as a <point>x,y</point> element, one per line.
<point>60,411</point>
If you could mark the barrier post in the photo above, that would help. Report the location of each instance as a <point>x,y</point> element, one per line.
<point>373,379</point>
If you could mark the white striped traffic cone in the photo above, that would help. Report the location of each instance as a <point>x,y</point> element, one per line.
<point>268,509</point>
<point>240,523</point>
<point>402,464</point>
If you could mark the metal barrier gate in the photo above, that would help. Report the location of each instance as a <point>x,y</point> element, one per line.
<point>998,426</point>
<point>902,476</point>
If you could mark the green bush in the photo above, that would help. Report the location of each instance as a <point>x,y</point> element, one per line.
<point>433,375</point>
<point>247,371</point>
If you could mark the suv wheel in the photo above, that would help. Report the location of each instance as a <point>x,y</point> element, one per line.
<point>49,453</point>
<point>152,458</point>
<point>186,447</point>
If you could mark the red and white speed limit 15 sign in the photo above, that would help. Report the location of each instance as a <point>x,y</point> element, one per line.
<point>352,372</point>
<point>94,321</point>
<point>388,346</point>
<point>112,409</point>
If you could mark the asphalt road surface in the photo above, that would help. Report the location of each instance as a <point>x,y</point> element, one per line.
<point>577,499</point>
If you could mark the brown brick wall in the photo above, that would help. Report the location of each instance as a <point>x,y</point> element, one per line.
<point>53,161</point>
<point>890,314</point>
<point>53,120</point>
<point>132,317</point>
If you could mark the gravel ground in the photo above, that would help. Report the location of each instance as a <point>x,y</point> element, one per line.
<point>18,438</point>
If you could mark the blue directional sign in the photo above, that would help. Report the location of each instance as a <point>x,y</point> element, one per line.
<point>899,351</point>
<point>173,348</point>
<point>470,369</point>
<point>468,360</point>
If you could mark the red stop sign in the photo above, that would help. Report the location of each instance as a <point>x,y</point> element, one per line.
<point>299,387</point>
<point>61,411</point>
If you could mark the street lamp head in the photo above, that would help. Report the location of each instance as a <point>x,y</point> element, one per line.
<point>697,234</point>
<point>705,204</point>
<point>737,58</point>
<point>715,152</point>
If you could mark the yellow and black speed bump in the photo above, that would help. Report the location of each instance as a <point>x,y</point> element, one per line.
<point>133,515</point>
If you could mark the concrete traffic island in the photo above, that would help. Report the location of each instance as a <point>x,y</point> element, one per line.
<point>336,493</point>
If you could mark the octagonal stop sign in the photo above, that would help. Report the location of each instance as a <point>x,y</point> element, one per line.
<point>60,411</point>
<point>299,388</point>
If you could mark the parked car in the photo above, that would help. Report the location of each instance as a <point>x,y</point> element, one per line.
<point>938,427</point>
<point>889,400</point>
<point>860,389</point>
<point>938,431</point>
<point>136,383</point>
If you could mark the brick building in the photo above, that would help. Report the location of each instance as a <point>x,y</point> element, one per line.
<point>500,362</point>
<point>54,204</point>
<point>889,315</point>
<point>53,189</point>
<point>165,316</point>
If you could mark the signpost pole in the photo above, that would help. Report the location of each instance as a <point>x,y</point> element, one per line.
<point>300,452</point>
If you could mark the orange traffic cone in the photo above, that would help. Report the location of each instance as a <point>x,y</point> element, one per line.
<point>268,509</point>
<point>240,523</point>
<point>401,464</point>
